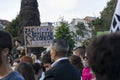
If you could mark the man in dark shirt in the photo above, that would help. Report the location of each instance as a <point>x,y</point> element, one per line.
<point>61,69</point>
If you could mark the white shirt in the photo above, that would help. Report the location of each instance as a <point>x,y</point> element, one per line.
<point>42,76</point>
<point>63,58</point>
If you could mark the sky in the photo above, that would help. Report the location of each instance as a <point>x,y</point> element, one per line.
<point>53,10</point>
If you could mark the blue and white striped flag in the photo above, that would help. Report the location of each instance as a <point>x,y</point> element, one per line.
<point>115,25</point>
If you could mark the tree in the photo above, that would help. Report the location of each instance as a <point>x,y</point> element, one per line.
<point>107,14</point>
<point>103,23</point>
<point>63,32</point>
<point>29,15</point>
<point>81,29</point>
<point>13,27</point>
<point>98,26</point>
<point>84,31</point>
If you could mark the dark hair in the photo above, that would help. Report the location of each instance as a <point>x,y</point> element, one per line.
<point>26,70</point>
<point>18,40</point>
<point>104,56</point>
<point>37,67</point>
<point>81,50</point>
<point>76,61</point>
<point>44,52</point>
<point>46,58</point>
<point>5,40</point>
<point>61,46</point>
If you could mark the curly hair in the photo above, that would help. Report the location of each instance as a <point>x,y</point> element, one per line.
<point>104,56</point>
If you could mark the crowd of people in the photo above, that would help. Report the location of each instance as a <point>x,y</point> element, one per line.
<point>100,61</point>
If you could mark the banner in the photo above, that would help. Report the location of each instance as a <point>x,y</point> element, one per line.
<point>115,25</point>
<point>38,36</point>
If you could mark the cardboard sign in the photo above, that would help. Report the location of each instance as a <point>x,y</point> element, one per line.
<point>38,36</point>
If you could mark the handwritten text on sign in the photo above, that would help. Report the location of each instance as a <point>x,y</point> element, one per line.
<point>38,36</point>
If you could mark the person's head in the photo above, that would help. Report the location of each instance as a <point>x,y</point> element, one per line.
<point>5,46</point>
<point>79,51</point>
<point>59,48</point>
<point>17,42</point>
<point>104,57</point>
<point>76,61</point>
<point>26,70</point>
<point>27,59</point>
<point>42,54</point>
<point>85,62</point>
<point>34,57</point>
<point>37,67</point>
<point>46,61</point>
<point>38,70</point>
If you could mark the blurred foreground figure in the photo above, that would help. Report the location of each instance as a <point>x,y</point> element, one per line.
<point>26,70</point>
<point>104,57</point>
<point>6,72</point>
